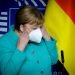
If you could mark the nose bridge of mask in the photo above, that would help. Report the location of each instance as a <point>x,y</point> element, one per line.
<point>35,35</point>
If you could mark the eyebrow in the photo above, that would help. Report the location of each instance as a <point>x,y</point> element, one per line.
<point>37,26</point>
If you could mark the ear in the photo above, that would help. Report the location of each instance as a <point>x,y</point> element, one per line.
<point>21,28</point>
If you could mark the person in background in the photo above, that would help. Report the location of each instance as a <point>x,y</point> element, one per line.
<point>27,49</point>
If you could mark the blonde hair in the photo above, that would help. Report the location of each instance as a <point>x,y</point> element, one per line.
<point>28,14</point>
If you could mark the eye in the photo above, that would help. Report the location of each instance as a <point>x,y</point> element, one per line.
<point>40,26</point>
<point>34,28</point>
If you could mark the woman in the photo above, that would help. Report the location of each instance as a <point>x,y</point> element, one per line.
<point>27,49</point>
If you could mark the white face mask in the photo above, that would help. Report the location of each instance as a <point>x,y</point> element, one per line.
<point>35,35</point>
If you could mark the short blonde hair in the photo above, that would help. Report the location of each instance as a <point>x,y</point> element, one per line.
<point>28,14</point>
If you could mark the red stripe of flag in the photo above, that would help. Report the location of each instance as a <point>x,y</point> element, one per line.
<point>69,7</point>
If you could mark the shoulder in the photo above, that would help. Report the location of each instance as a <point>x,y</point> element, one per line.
<point>51,39</point>
<point>4,40</point>
<point>50,43</point>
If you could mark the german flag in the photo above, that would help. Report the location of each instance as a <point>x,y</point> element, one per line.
<point>60,23</point>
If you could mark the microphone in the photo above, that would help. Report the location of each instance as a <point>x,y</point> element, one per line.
<point>62,56</point>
